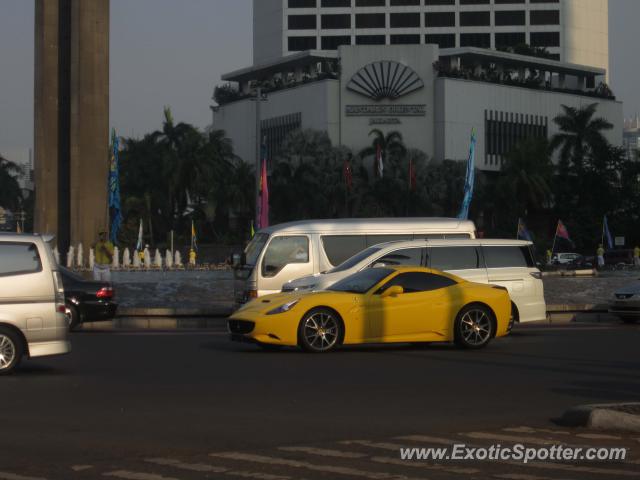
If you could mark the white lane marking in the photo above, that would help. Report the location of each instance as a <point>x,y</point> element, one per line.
<point>524,476</point>
<point>576,468</point>
<point>136,475</point>
<point>510,438</point>
<point>206,468</point>
<point>598,436</point>
<point>535,430</point>
<point>426,466</point>
<point>80,468</point>
<point>13,476</point>
<point>381,445</point>
<point>427,439</point>
<point>245,457</point>
<point>323,452</point>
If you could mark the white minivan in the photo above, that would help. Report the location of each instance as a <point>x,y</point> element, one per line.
<point>33,322</point>
<point>287,251</point>
<point>508,263</point>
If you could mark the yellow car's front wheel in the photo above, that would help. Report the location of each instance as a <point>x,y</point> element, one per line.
<point>320,330</point>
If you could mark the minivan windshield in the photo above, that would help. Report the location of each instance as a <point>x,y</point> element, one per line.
<point>361,281</point>
<point>253,250</point>
<point>353,261</point>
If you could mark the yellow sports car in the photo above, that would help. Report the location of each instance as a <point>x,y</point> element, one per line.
<point>378,305</point>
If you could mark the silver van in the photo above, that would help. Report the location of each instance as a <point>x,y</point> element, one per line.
<point>508,263</point>
<point>283,252</point>
<point>32,309</point>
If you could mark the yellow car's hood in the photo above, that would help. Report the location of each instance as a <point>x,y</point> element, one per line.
<point>269,302</point>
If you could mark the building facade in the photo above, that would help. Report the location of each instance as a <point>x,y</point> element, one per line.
<point>631,138</point>
<point>573,31</point>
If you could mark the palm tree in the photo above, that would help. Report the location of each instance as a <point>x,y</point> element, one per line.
<point>579,135</point>
<point>10,193</point>
<point>391,145</point>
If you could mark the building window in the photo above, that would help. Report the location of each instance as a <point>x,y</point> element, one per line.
<point>332,43</point>
<point>504,130</point>
<point>298,44</point>
<point>336,3</point>
<point>276,130</point>
<point>370,40</point>
<point>442,40</point>
<point>302,3</point>
<point>502,2</point>
<point>371,3</point>
<point>336,22</point>
<point>510,17</point>
<point>544,17</point>
<point>544,1</point>
<point>439,2</point>
<point>545,39</point>
<point>474,2</point>
<point>475,19</point>
<point>440,19</point>
<point>370,20</point>
<point>405,3</point>
<point>504,40</point>
<point>302,22</point>
<point>482,40</point>
<point>405,20</point>
<point>405,39</point>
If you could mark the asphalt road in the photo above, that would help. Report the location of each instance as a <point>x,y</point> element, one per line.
<point>156,406</point>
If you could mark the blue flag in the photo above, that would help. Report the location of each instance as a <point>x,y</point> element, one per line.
<point>115,213</point>
<point>523,232</point>
<point>470,180</point>
<point>606,233</point>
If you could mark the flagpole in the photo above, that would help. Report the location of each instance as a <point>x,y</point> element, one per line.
<point>602,240</point>
<point>554,239</point>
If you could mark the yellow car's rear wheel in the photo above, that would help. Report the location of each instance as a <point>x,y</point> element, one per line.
<point>320,330</point>
<point>474,326</point>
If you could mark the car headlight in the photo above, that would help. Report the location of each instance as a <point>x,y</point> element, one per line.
<point>283,308</point>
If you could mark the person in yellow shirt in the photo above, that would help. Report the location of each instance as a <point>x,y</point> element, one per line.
<point>192,257</point>
<point>103,258</point>
<point>600,254</point>
<point>636,256</point>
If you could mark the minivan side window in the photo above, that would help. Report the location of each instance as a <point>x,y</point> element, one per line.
<point>376,239</point>
<point>405,256</point>
<point>454,258</point>
<point>19,259</point>
<point>341,247</point>
<point>508,257</point>
<point>414,282</point>
<point>282,251</point>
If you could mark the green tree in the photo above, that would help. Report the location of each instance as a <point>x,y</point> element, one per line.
<point>391,145</point>
<point>10,193</point>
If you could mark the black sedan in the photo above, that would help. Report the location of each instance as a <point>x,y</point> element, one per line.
<point>87,300</point>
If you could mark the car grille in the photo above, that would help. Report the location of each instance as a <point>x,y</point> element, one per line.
<point>241,327</point>
<point>624,296</point>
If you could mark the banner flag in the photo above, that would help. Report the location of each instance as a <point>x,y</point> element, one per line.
<point>140,243</point>
<point>607,234</point>
<point>470,180</point>
<point>523,232</point>
<point>115,212</point>
<point>562,232</point>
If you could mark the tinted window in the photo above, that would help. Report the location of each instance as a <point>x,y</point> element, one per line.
<point>454,258</point>
<point>413,282</point>
<point>254,249</point>
<point>357,258</point>
<point>375,239</point>
<point>405,256</point>
<point>283,251</point>
<point>362,281</point>
<point>501,257</point>
<point>19,259</point>
<point>341,247</point>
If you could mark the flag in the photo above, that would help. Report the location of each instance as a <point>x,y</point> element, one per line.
<point>347,174</point>
<point>194,237</point>
<point>561,231</point>
<point>412,175</point>
<point>470,180</point>
<point>523,232</point>
<point>263,219</point>
<point>379,161</point>
<point>606,234</point>
<point>253,232</point>
<point>114,188</point>
<point>139,243</point>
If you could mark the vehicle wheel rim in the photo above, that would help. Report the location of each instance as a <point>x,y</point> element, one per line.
<point>321,331</point>
<point>7,352</point>
<point>476,327</point>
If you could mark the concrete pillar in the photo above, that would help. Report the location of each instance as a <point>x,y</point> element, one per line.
<point>71,119</point>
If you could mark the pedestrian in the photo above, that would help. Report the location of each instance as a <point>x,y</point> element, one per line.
<point>549,257</point>
<point>103,258</point>
<point>600,254</point>
<point>192,257</point>
<point>636,256</point>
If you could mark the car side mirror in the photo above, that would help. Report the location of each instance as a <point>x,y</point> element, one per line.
<point>393,291</point>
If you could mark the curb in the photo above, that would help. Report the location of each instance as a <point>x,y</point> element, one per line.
<point>607,416</point>
<point>571,273</point>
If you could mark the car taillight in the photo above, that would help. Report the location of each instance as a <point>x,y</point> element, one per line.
<point>59,291</point>
<point>105,292</point>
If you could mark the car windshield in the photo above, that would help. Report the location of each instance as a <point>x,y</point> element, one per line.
<point>255,247</point>
<point>362,281</point>
<point>353,261</point>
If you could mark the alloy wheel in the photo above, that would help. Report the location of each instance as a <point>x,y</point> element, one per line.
<point>475,327</point>
<point>7,352</point>
<point>321,331</point>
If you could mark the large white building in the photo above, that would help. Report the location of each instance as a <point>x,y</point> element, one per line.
<point>574,31</point>
<point>434,96</point>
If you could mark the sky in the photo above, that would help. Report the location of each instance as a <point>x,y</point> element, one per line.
<point>173,52</point>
